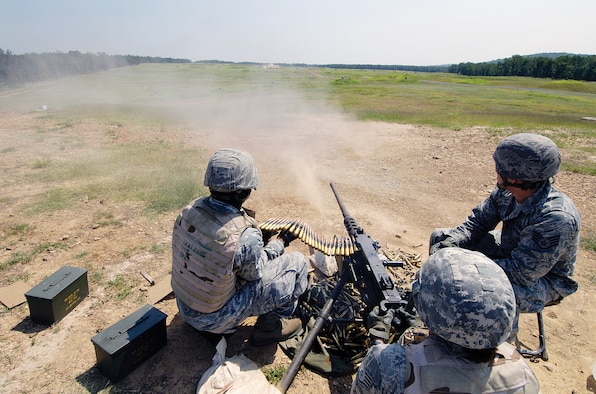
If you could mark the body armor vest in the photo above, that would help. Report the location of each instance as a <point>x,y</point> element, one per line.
<point>203,246</point>
<point>434,370</point>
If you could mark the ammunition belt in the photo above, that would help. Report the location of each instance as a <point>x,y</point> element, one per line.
<point>338,246</point>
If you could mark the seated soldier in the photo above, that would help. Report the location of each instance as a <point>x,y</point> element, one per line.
<point>468,305</point>
<point>538,243</point>
<point>222,272</point>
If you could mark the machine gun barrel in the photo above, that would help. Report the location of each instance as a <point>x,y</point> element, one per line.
<point>351,226</point>
<point>372,279</point>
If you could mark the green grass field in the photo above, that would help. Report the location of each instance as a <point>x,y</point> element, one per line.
<point>438,99</point>
<point>155,95</point>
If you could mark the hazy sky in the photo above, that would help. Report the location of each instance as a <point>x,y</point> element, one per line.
<point>413,32</point>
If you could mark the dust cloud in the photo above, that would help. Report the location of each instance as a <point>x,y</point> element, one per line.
<point>300,144</point>
<point>295,142</point>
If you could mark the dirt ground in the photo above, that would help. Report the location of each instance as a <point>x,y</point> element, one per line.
<point>398,181</point>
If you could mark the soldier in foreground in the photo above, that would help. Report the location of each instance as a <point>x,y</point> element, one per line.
<point>468,305</point>
<point>222,272</point>
<point>538,244</point>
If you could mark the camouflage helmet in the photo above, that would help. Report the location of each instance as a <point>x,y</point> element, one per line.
<point>465,298</point>
<point>230,170</point>
<point>527,157</point>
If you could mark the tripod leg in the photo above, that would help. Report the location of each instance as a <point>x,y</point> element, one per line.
<point>323,317</point>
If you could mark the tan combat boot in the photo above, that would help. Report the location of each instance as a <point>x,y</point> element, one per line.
<point>270,329</point>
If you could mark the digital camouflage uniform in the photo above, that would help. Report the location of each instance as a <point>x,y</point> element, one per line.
<point>255,279</point>
<point>268,281</point>
<point>467,302</point>
<point>536,247</point>
<point>538,243</point>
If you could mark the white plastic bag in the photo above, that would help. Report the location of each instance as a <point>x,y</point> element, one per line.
<point>327,265</point>
<point>236,375</point>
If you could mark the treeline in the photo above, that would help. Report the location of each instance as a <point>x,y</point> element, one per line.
<point>428,69</point>
<point>16,70</point>
<point>577,67</point>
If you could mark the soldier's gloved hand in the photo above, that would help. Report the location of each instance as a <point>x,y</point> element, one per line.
<point>286,237</point>
<point>380,326</point>
<point>267,234</point>
<point>448,242</point>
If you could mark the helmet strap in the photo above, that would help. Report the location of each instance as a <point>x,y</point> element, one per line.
<point>525,185</point>
<point>235,198</point>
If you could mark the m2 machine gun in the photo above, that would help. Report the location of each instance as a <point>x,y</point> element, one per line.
<point>369,274</point>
